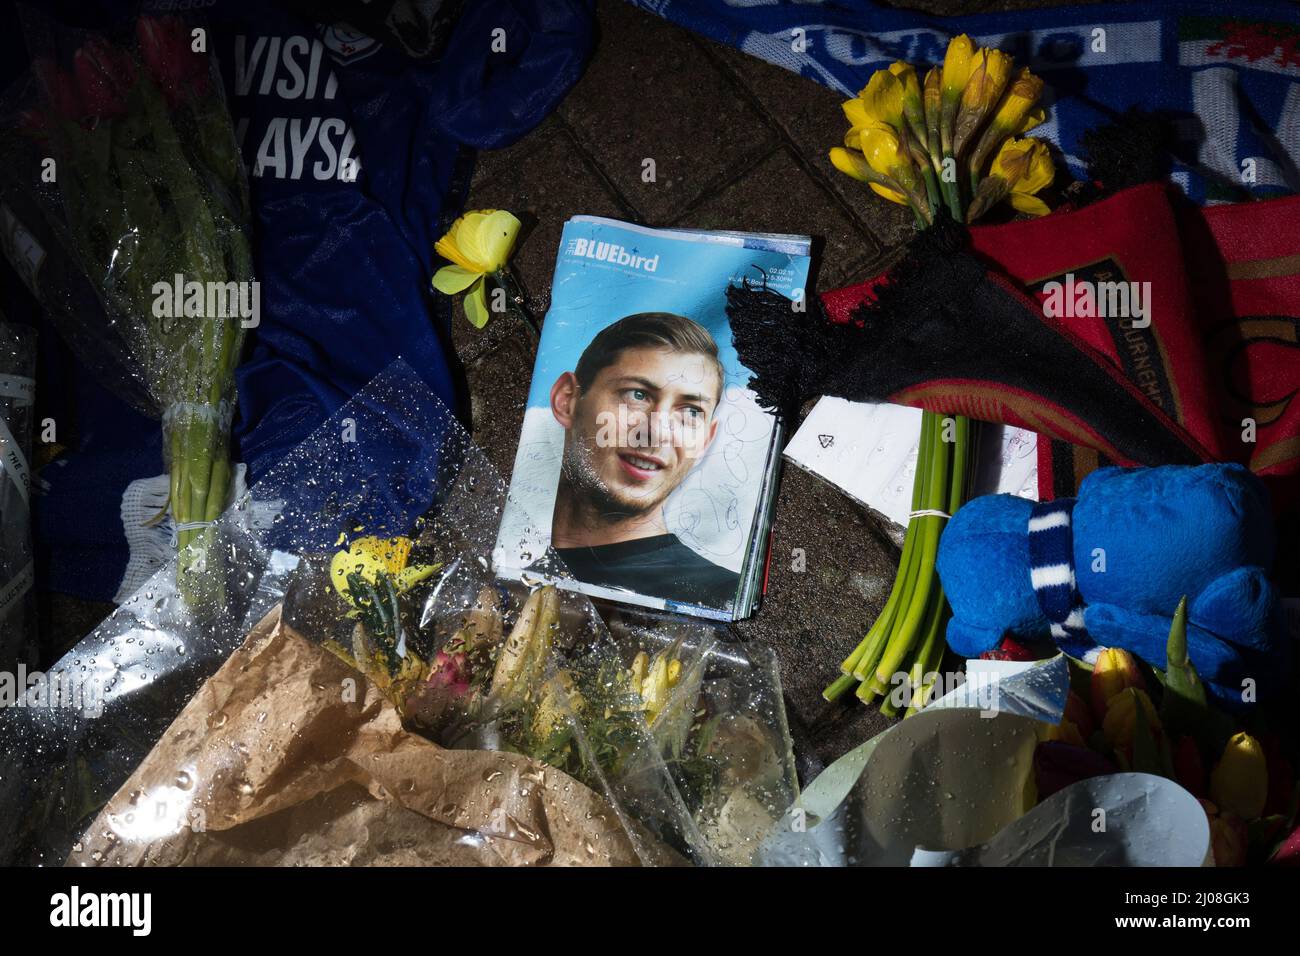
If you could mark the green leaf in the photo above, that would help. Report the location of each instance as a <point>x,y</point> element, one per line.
<point>1183,708</point>
<point>1146,755</point>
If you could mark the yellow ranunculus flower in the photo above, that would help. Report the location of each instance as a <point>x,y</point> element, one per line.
<point>853,163</point>
<point>958,63</point>
<point>478,244</point>
<point>1027,167</point>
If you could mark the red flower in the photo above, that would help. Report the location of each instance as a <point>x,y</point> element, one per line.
<point>60,89</point>
<point>166,46</point>
<point>450,671</point>
<point>105,74</point>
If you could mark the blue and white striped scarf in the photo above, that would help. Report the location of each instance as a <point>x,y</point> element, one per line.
<point>1051,570</point>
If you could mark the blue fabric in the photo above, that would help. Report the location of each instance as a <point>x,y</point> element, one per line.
<point>344,266</point>
<point>1227,71</point>
<point>1142,539</point>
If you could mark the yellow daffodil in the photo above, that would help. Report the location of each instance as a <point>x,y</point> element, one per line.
<point>933,98</point>
<point>371,556</point>
<point>1016,106</point>
<point>1035,117</point>
<point>851,162</point>
<point>958,63</point>
<point>1015,116</point>
<point>1027,167</point>
<point>884,152</point>
<point>983,90</point>
<point>478,244</point>
<point>988,79</point>
<point>913,109</point>
<point>883,98</point>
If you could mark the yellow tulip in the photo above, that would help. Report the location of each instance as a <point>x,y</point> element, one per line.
<point>478,244</point>
<point>1027,167</point>
<point>1120,723</point>
<point>958,63</point>
<point>1239,783</point>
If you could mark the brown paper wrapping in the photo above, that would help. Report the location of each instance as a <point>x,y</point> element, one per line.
<point>287,756</point>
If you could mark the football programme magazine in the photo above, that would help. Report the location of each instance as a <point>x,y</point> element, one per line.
<point>644,460</point>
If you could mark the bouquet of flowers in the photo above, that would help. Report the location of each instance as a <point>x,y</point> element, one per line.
<point>949,144</point>
<point>687,740</point>
<point>1128,717</point>
<point>153,203</point>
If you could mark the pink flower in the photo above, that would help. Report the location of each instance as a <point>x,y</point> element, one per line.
<point>60,89</point>
<point>105,74</point>
<point>449,672</point>
<point>166,46</point>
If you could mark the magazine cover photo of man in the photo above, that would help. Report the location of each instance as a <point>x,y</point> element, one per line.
<point>638,411</point>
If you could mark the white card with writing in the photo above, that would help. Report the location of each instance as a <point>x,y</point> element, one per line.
<point>869,452</point>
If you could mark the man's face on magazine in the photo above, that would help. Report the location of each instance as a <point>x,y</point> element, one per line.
<point>640,426</point>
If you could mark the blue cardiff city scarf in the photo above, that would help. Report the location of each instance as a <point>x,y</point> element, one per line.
<point>1229,73</point>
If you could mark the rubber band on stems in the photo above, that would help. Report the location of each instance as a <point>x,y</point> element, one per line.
<point>929,513</point>
<point>189,526</point>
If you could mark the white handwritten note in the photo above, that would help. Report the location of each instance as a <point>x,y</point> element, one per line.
<point>869,452</point>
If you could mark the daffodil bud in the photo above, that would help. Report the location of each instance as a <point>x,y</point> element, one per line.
<point>958,62</point>
<point>1239,783</point>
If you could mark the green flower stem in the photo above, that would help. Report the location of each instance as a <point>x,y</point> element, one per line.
<point>838,687</point>
<point>932,191</point>
<point>926,666</point>
<point>867,655</point>
<point>516,301</point>
<point>904,638</point>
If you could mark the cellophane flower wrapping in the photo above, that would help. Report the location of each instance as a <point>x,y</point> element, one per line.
<point>126,162</point>
<point>17,396</point>
<point>250,722</point>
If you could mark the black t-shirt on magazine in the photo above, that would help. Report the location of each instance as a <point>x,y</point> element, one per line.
<point>659,566</point>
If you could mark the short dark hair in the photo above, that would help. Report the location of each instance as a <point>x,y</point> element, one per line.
<point>659,330</point>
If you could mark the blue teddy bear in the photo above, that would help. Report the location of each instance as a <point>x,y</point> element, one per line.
<point>1107,569</point>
